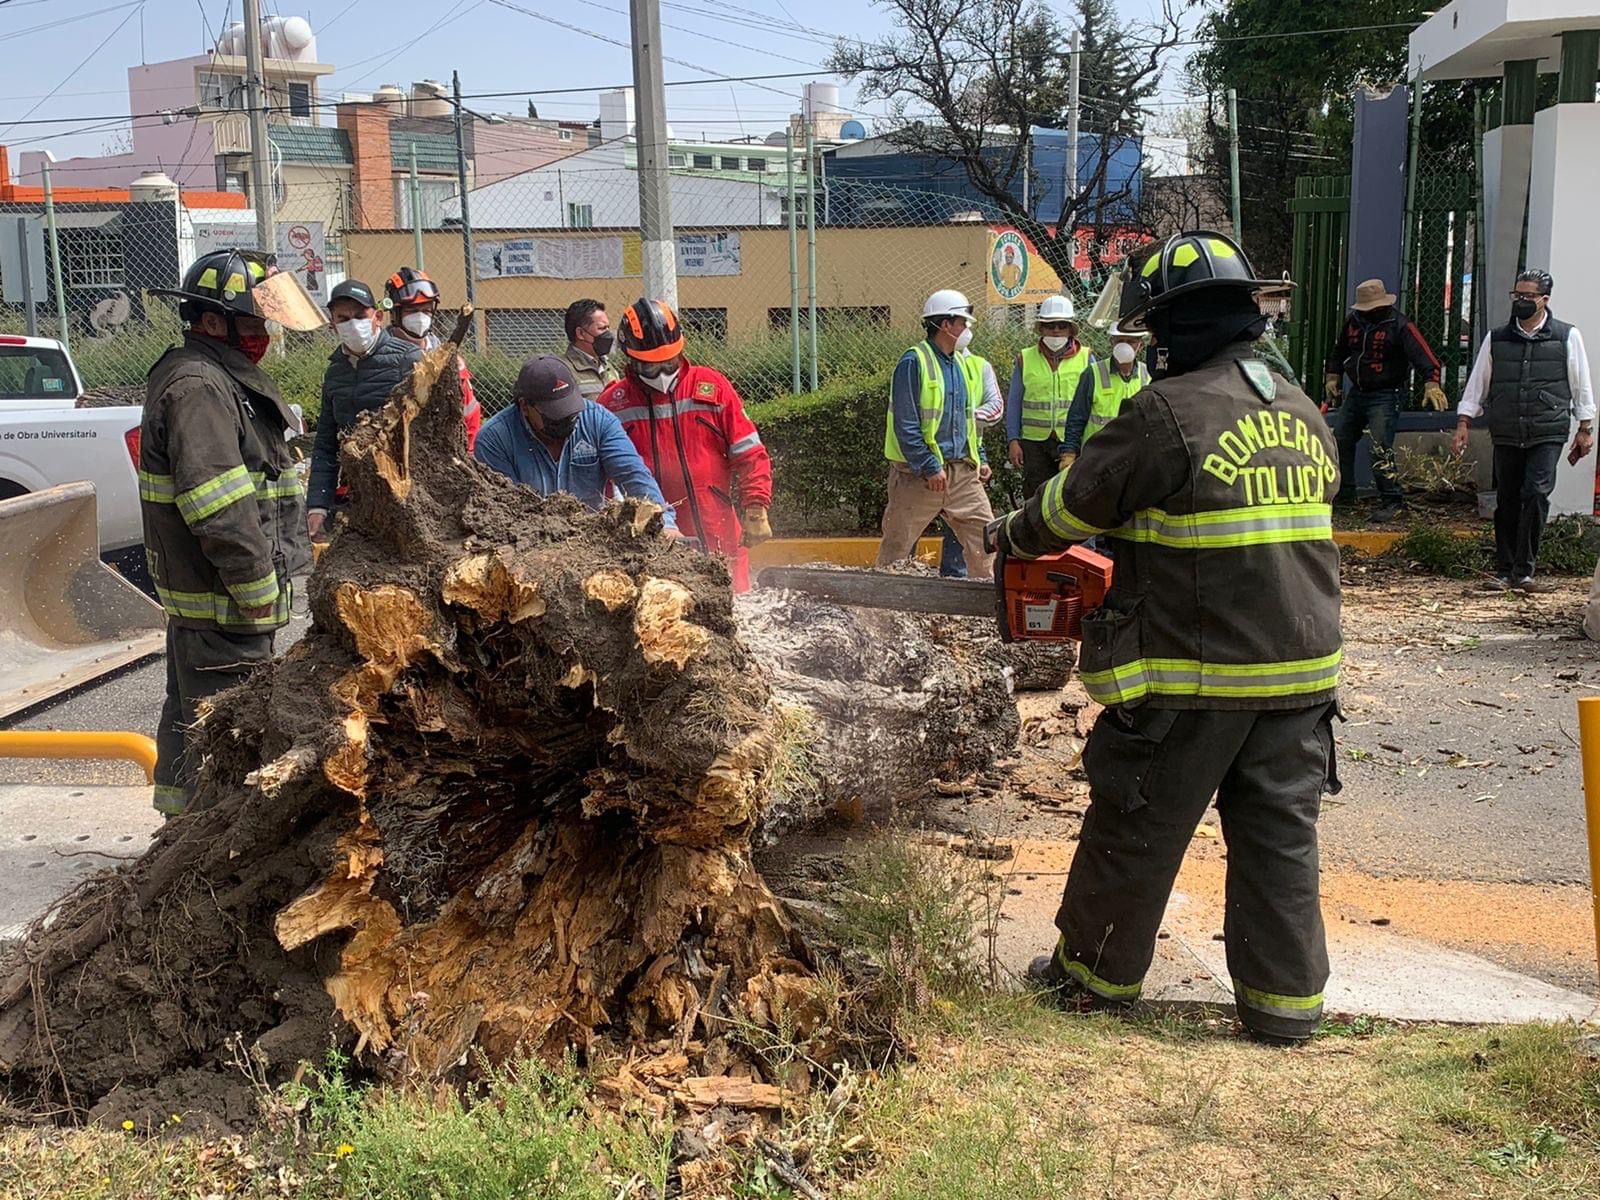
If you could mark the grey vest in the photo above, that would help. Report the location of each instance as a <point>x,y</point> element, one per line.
<point>1530,400</point>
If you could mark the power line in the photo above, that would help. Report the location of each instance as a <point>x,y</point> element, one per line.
<point>82,63</point>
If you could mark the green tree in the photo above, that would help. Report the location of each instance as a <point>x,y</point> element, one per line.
<point>1296,97</point>
<point>1113,85</point>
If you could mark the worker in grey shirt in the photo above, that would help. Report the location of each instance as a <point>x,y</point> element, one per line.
<point>1530,379</point>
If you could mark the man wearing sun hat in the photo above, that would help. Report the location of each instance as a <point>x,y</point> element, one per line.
<point>553,440</point>
<point>1376,352</point>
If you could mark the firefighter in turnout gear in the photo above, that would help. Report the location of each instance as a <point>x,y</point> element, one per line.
<point>1217,652</point>
<point>222,502</point>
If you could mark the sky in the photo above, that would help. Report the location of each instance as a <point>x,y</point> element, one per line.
<point>69,58</point>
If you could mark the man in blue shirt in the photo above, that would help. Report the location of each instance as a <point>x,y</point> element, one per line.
<point>553,440</point>
<point>937,465</point>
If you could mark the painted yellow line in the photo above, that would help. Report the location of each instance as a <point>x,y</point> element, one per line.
<point>843,551</point>
<point>103,743</point>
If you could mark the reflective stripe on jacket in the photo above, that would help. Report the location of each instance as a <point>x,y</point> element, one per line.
<point>704,451</point>
<point>220,497</point>
<point>1226,592</point>
<point>1110,390</point>
<point>1047,392</point>
<point>931,402</point>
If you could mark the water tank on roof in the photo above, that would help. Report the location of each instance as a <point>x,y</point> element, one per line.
<point>427,99</point>
<point>232,40</point>
<point>852,131</point>
<point>777,139</point>
<point>821,99</point>
<point>296,33</point>
<point>393,96</point>
<point>152,187</point>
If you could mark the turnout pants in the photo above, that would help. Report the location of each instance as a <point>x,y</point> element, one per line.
<point>912,506</point>
<point>200,663</point>
<point>1152,773</point>
<point>1040,461</point>
<point>1524,477</point>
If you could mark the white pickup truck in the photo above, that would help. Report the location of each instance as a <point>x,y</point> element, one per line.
<point>46,438</point>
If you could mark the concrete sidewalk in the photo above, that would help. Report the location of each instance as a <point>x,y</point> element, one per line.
<point>55,837</point>
<point>1375,971</point>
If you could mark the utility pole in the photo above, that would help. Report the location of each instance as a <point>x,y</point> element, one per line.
<point>255,91</point>
<point>1233,163</point>
<point>416,211</point>
<point>1069,191</point>
<point>659,250</point>
<point>468,253</point>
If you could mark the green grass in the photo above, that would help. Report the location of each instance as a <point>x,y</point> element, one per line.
<point>1568,548</point>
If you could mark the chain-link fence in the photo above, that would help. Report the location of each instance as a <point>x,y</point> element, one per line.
<point>780,287</point>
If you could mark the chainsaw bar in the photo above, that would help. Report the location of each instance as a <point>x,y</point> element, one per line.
<point>879,589</point>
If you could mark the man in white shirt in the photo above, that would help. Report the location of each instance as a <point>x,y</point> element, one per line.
<point>1530,379</point>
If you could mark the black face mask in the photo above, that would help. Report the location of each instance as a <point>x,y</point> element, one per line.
<point>603,343</point>
<point>559,428</point>
<point>1524,308</point>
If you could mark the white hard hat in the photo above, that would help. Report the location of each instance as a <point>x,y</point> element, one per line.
<point>946,302</point>
<point>1057,308</point>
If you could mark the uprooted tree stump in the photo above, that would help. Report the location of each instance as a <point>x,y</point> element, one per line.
<point>499,800</point>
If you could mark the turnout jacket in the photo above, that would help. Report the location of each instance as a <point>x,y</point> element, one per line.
<point>219,494</point>
<point>1216,486</point>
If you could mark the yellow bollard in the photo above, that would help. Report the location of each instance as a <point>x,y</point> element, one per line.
<point>99,743</point>
<point>1589,738</point>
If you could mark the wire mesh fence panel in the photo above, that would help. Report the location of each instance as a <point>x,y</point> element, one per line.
<point>1436,291</point>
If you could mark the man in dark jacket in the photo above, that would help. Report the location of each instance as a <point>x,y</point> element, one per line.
<point>1531,379</point>
<point>219,494</point>
<point>369,364</point>
<point>1376,351</point>
<point>1217,651</point>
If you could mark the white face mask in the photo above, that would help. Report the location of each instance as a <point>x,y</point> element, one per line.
<point>1056,344</point>
<point>662,383</point>
<point>358,336</point>
<point>417,324</point>
<point>964,339</point>
<point>1124,353</point>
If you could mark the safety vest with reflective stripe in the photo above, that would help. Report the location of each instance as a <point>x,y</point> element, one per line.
<point>1110,390</point>
<point>1047,392</point>
<point>931,402</point>
<point>1226,595</point>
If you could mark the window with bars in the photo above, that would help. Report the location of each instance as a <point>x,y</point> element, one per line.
<point>757,165</point>
<point>708,323</point>
<point>848,316</point>
<point>221,91</point>
<point>523,331</point>
<point>431,197</point>
<point>580,216</point>
<point>92,258</point>
<point>705,162</point>
<point>730,162</point>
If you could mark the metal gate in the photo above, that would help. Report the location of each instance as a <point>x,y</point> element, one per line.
<point>1321,208</point>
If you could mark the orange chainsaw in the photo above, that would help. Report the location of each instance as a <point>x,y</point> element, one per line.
<point>1035,600</point>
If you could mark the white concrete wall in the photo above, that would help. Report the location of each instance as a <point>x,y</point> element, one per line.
<point>1507,168</point>
<point>1562,239</point>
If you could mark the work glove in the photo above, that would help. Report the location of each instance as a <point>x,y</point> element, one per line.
<point>1433,397</point>
<point>1066,462</point>
<point>757,528</point>
<point>1333,389</point>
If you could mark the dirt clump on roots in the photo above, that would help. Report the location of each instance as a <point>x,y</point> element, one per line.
<point>498,801</point>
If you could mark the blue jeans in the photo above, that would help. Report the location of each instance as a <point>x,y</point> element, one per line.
<point>952,560</point>
<point>1377,414</point>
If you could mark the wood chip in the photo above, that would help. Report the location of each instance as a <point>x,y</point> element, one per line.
<point>709,1091</point>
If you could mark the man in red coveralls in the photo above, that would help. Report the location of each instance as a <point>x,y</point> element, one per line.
<point>690,428</point>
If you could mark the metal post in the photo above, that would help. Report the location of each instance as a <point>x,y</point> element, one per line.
<point>260,144</point>
<point>416,212</point>
<point>1408,239</point>
<point>1233,165</point>
<point>63,334</point>
<point>1589,741</point>
<point>794,270</point>
<point>1069,184</point>
<point>30,317</point>
<point>468,253</point>
<point>658,248</point>
<point>811,245</point>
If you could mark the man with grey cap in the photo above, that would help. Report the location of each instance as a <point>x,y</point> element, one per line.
<point>553,440</point>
